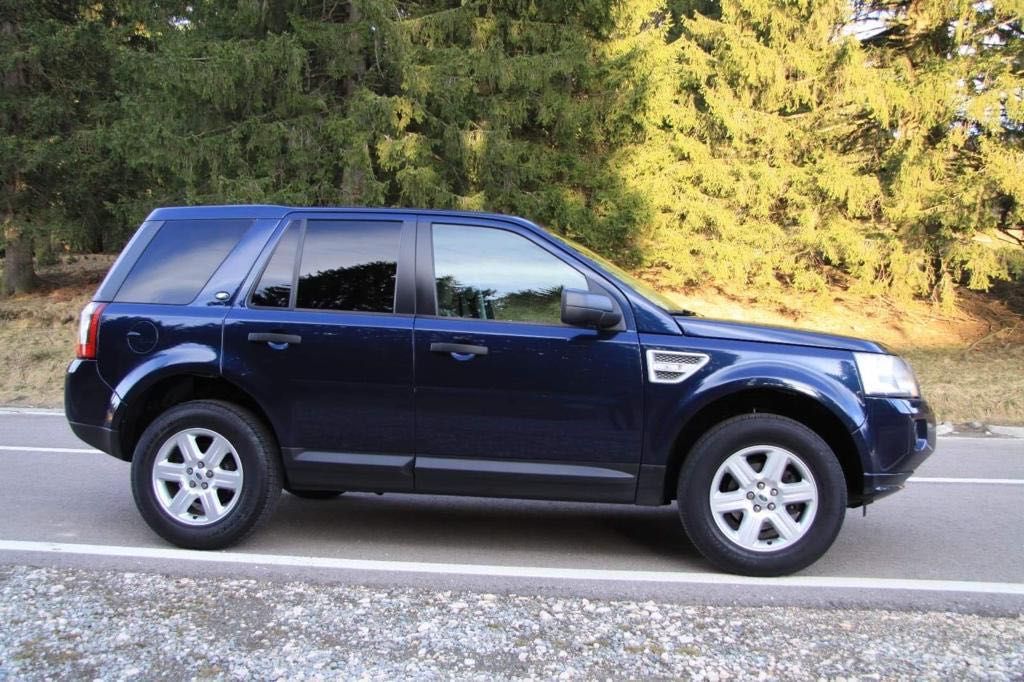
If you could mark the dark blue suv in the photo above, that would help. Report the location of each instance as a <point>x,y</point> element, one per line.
<point>235,350</point>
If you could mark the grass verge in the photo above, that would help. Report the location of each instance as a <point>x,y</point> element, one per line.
<point>37,332</point>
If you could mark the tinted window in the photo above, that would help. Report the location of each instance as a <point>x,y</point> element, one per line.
<point>180,260</point>
<point>349,265</point>
<point>275,287</point>
<point>494,274</point>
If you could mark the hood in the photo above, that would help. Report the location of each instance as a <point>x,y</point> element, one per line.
<point>742,331</point>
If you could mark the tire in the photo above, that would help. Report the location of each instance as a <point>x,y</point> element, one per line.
<point>744,528</point>
<point>316,494</point>
<point>196,506</point>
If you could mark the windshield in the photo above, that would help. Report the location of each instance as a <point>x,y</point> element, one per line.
<point>646,290</point>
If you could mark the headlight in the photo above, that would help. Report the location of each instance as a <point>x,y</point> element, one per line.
<point>886,375</point>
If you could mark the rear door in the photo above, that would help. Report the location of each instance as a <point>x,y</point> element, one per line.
<point>509,401</point>
<point>324,341</point>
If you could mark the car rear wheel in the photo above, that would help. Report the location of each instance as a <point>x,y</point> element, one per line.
<point>205,474</point>
<point>762,495</point>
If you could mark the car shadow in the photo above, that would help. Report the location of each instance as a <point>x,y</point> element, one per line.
<point>473,529</point>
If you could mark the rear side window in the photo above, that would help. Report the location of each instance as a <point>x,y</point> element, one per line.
<point>346,265</point>
<point>180,260</point>
<point>349,265</point>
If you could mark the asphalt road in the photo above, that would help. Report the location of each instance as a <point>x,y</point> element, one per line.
<point>954,539</point>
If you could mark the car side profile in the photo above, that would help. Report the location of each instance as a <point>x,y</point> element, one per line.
<point>233,351</point>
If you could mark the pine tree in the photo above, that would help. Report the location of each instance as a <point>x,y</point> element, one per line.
<point>781,152</point>
<point>519,107</point>
<point>753,144</point>
<point>501,105</point>
<point>55,60</point>
<point>951,168</point>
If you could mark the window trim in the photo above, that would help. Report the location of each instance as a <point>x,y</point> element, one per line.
<point>426,282</point>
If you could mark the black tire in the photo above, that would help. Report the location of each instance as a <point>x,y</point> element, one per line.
<point>732,436</point>
<point>256,450</point>
<point>316,494</point>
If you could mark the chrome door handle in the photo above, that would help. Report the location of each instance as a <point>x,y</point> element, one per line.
<point>458,348</point>
<point>271,337</point>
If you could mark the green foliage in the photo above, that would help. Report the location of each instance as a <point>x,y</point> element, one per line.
<point>751,144</point>
<point>55,169</point>
<point>481,105</point>
<point>783,153</point>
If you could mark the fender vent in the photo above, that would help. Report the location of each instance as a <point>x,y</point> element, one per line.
<point>670,367</point>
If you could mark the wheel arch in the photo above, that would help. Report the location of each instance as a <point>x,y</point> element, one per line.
<point>148,402</point>
<point>779,401</point>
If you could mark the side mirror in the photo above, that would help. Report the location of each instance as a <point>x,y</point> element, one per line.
<point>588,309</point>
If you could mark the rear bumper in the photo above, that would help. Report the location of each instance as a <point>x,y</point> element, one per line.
<point>97,436</point>
<point>899,434</point>
<point>89,404</point>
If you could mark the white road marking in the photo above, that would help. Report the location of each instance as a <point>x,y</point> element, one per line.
<point>677,577</point>
<point>985,439</point>
<point>37,412</point>
<point>984,481</point>
<point>32,448</point>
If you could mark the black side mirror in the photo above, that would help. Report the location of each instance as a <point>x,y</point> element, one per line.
<point>588,309</point>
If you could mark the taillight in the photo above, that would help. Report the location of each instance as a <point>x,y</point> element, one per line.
<point>88,330</point>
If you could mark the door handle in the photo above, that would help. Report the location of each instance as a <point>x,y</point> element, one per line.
<point>458,349</point>
<point>271,337</point>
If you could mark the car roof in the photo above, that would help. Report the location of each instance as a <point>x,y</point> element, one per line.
<point>272,212</point>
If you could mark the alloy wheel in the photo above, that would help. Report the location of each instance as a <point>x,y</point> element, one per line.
<point>763,498</point>
<point>197,477</point>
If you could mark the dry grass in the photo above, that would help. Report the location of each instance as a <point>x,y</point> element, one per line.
<point>37,332</point>
<point>984,384</point>
<point>970,362</point>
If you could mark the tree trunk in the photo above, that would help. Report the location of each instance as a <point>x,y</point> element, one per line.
<point>19,271</point>
<point>353,179</point>
<point>355,49</point>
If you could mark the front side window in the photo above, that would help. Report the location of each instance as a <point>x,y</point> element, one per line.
<point>493,274</point>
<point>180,260</point>
<point>349,265</point>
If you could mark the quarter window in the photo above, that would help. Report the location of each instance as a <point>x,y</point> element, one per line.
<point>275,287</point>
<point>493,274</point>
<point>180,260</point>
<point>349,265</point>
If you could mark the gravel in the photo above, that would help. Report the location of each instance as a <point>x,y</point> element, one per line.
<point>81,624</point>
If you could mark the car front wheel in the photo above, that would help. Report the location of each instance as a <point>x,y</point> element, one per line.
<point>762,495</point>
<point>205,474</point>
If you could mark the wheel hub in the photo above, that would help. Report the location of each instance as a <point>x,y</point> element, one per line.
<point>763,498</point>
<point>197,476</point>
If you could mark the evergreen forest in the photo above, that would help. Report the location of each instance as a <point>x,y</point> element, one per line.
<point>765,145</point>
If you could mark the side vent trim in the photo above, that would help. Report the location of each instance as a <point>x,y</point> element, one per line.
<point>673,367</point>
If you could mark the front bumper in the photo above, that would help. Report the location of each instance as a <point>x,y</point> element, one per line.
<point>898,435</point>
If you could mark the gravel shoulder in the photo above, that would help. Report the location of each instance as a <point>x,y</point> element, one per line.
<point>83,624</point>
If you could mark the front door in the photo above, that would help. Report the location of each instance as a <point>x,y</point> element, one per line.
<point>509,401</point>
<point>324,343</point>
